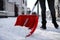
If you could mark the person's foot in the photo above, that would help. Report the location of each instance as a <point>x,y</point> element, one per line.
<point>56,25</point>
<point>43,27</point>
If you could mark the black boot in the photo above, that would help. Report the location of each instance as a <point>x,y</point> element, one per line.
<point>43,23</point>
<point>56,25</point>
<point>43,27</point>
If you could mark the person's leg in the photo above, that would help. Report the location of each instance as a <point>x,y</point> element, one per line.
<point>43,12</point>
<point>52,9</point>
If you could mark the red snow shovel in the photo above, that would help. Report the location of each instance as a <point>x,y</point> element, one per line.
<point>29,21</point>
<point>31,24</point>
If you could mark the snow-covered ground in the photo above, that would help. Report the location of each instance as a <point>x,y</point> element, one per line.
<point>10,32</point>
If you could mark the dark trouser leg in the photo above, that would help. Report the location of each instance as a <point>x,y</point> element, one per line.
<point>43,12</point>
<point>52,9</point>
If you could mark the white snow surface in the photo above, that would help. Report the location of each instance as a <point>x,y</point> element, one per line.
<point>10,32</point>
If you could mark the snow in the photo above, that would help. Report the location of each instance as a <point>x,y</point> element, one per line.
<point>10,32</point>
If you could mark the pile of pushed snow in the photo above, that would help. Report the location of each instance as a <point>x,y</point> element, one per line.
<point>20,31</point>
<point>14,33</point>
<point>11,32</point>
